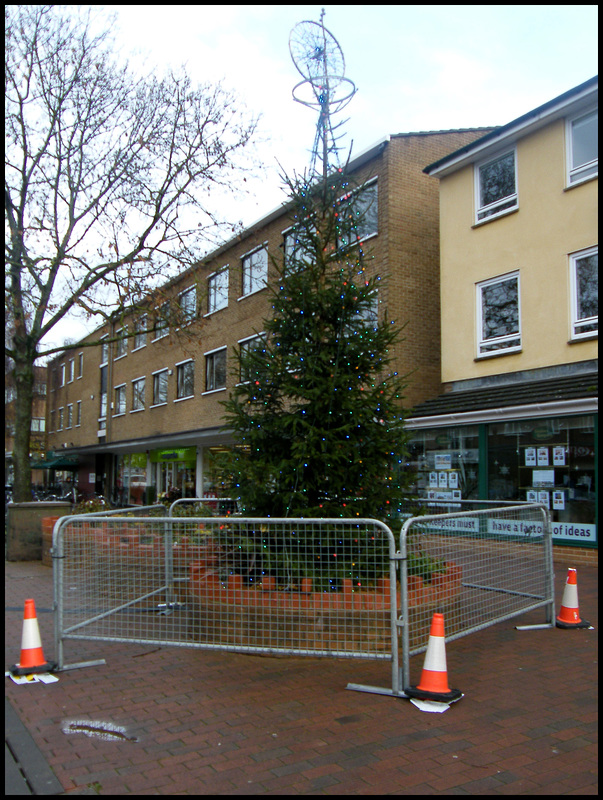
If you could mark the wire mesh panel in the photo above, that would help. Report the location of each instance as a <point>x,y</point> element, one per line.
<point>317,587</point>
<point>476,567</point>
<point>204,507</point>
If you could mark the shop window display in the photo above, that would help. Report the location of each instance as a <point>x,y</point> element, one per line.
<point>549,461</point>
<point>446,461</point>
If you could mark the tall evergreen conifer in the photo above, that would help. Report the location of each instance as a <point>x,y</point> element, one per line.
<point>317,412</point>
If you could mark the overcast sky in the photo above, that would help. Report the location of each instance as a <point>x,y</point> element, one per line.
<point>416,68</point>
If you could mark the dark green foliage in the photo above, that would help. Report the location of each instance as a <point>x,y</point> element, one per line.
<point>320,416</point>
<point>328,554</point>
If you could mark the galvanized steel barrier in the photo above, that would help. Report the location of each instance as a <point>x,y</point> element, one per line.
<point>498,562</point>
<point>297,586</point>
<point>318,587</point>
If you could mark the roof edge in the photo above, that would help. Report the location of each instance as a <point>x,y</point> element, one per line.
<point>541,112</point>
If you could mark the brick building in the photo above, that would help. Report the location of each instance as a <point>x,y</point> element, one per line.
<point>143,415</point>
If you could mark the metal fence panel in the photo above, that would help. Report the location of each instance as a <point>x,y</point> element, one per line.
<point>476,567</point>
<point>303,587</point>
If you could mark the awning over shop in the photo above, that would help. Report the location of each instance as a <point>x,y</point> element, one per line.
<point>519,393</point>
<point>53,461</point>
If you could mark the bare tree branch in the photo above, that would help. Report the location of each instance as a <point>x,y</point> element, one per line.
<point>104,173</point>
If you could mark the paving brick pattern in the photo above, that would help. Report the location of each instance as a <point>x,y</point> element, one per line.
<point>222,723</point>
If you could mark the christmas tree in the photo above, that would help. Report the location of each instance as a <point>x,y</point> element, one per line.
<point>317,413</point>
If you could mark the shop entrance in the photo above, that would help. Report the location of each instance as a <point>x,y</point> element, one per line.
<point>174,472</point>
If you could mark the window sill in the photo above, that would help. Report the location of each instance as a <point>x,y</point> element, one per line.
<point>498,353</point>
<point>213,391</point>
<point>586,179</point>
<point>180,399</point>
<point>215,310</point>
<point>250,294</point>
<point>158,405</point>
<point>136,410</point>
<point>494,217</point>
<point>586,338</point>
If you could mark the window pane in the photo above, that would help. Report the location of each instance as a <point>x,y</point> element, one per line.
<point>497,179</point>
<point>585,141</point>
<point>186,378</point>
<point>366,212</point>
<point>188,305</point>
<point>518,452</point>
<point>160,388</point>
<point>445,462</point>
<point>500,309</point>
<point>218,291</point>
<point>216,371</point>
<point>255,271</point>
<point>587,282</point>
<point>138,388</point>
<point>362,213</point>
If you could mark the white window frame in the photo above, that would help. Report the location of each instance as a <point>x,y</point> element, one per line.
<point>155,374</point>
<point>121,346</point>
<point>294,257</point>
<point>104,351</point>
<point>80,365</point>
<point>71,370</point>
<point>217,290</point>
<point>188,314</point>
<point>61,413</point>
<point>253,282</point>
<point>135,408</point>
<point>179,367</point>
<point>62,375</point>
<point>357,193</point>
<point>502,206</point>
<point>259,337</point>
<point>78,414</point>
<point>209,357</point>
<point>140,332</point>
<point>589,169</point>
<point>577,332</point>
<point>164,326</point>
<point>506,347</point>
<point>119,395</point>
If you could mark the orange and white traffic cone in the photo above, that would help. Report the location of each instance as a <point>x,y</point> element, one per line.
<point>569,614</point>
<point>434,678</point>
<point>32,656</point>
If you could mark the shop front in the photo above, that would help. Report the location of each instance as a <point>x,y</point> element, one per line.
<point>512,453</point>
<point>173,472</point>
<point>147,476</point>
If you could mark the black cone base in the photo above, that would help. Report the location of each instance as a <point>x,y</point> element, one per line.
<point>438,697</point>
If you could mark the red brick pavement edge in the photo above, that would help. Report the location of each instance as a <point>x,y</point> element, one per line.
<point>222,723</point>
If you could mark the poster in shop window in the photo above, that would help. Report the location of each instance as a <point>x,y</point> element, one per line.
<point>530,456</point>
<point>543,456</point>
<point>559,456</point>
<point>559,500</point>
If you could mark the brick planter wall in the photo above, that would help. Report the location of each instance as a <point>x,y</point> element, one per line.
<point>232,612</point>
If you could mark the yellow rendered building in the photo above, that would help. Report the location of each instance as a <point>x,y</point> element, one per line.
<point>519,318</point>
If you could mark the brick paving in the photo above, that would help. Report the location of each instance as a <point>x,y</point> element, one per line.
<point>222,723</point>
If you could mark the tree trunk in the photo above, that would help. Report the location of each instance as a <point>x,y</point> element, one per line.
<point>24,381</point>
